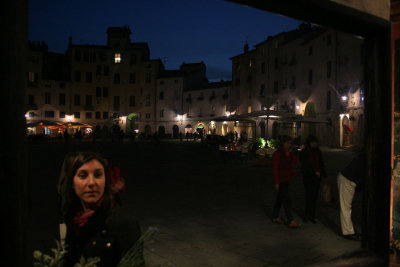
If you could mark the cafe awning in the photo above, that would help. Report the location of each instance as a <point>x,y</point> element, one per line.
<point>45,124</point>
<point>77,125</point>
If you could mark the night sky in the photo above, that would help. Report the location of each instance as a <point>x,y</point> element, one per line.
<point>177,31</point>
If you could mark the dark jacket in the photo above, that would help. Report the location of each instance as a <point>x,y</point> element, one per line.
<point>283,165</point>
<point>355,171</point>
<point>99,238</point>
<point>309,159</point>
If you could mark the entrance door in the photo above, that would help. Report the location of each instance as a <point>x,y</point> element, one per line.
<point>175,131</point>
<point>161,131</point>
<point>262,129</point>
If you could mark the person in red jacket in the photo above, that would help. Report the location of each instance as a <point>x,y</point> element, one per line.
<point>284,160</point>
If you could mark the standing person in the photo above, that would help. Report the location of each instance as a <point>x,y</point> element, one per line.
<point>94,228</point>
<point>284,160</point>
<point>313,169</point>
<point>348,179</point>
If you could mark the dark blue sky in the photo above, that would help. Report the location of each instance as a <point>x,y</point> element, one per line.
<point>176,30</point>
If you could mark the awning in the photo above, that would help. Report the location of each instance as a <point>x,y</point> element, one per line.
<point>303,119</point>
<point>45,124</point>
<point>242,118</point>
<point>188,126</point>
<point>270,115</point>
<point>77,125</point>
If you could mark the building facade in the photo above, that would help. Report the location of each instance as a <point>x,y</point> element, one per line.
<point>312,74</point>
<point>301,82</point>
<point>98,85</point>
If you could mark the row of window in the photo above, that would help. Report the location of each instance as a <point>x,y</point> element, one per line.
<point>117,77</point>
<point>201,96</point>
<point>88,99</point>
<point>293,84</point>
<point>91,57</point>
<point>77,115</point>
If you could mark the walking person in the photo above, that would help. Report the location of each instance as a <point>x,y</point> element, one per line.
<point>313,170</point>
<point>284,160</point>
<point>349,179</point>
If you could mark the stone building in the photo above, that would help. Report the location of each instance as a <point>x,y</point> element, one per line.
<point>187,102</point>
<point>99,85</point>
<point>201,106</point>
<point>310,80</point>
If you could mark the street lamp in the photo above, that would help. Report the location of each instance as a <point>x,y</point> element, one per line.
<point>344,97</point>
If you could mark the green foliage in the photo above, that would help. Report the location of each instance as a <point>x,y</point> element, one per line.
<point>44,260</point>
<point>90,262</point>
<point>132,258</point>
<point>273,143</point>
<point>260,142</point>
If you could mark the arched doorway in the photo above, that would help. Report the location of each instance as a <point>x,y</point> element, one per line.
<point>131,123</point>
<point>175,131</point>
<point>346,132</point>
<point>200,128</point>
<point>262,129</point>
<point>310,128</point>
<point>147,130</point>
<point>161,131</point>
<point>224,128</point>
<point>188,128</point>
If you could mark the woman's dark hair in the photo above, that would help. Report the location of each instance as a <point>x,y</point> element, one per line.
<point>283,139</point>
<point>310,139</point>
<point>70,203</point>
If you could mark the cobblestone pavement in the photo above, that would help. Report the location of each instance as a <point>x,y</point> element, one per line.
<point>208,211</point>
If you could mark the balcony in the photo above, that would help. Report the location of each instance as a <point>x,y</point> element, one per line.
<point>89,107</point>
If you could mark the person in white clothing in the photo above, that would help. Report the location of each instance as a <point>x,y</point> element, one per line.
<point>349,179</point>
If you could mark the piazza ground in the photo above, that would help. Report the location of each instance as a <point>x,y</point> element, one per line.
<point>209,211</point>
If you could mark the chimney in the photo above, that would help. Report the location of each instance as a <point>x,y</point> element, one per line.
<point>246,47</point>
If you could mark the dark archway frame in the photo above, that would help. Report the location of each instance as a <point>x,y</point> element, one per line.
<point>378,113</point>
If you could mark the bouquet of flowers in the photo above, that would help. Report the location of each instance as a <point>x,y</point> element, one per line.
<point>133,257</point>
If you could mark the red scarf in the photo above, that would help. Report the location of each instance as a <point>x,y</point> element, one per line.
<point>82,216</point>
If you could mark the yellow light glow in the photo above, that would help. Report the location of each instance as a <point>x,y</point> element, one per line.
<point>117,58</point>
<point>68,117</point>
<point>179,117</point>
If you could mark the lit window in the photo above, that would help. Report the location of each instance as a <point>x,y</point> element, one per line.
<point>117,58</point>
<point>31,76</point>
<point>249,109</point>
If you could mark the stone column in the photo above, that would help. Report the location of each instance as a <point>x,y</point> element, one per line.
<point>13,161</point>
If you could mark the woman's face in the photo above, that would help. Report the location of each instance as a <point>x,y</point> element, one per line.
<point>89,182</point>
